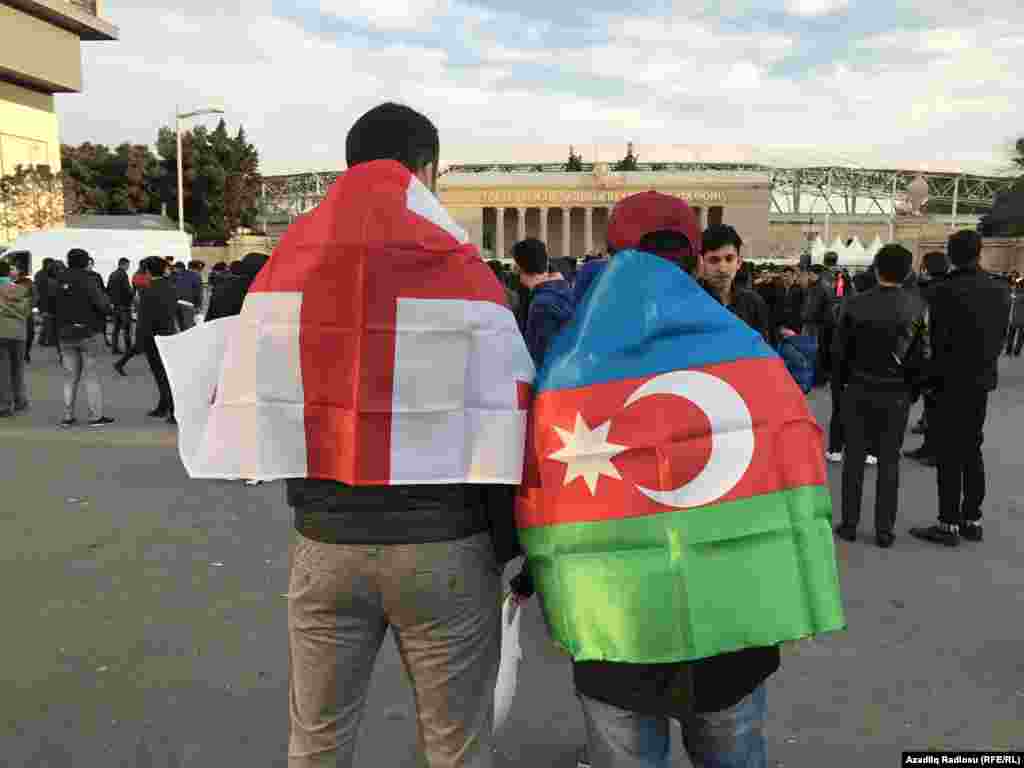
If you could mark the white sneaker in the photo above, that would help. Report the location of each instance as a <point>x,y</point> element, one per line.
<point>254,482</point>
<point>869,459</point>
<point>834,458</point>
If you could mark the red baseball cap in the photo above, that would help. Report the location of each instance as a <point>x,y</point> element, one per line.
<point>647,212</point>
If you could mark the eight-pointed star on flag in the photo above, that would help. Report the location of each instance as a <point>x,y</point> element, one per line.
<point>587,453</point>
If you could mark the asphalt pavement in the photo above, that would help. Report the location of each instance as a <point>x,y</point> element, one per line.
<point>146,624</point>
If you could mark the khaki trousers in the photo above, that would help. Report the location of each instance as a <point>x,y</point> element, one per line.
<point>441,600</point>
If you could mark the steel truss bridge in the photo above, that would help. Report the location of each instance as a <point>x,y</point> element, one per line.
<point>808,190</point>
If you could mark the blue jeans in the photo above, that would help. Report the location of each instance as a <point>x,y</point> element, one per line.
<point>731,738</point>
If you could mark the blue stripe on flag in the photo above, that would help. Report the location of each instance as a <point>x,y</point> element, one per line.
<point>644,316</point>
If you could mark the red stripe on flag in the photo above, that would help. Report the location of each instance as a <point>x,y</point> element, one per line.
<point>352,258</point>
<point>668,442</point>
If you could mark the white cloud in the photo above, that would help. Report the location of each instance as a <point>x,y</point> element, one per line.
<point>945,92</point>
<point>815,7</point>
<point>387,14</point>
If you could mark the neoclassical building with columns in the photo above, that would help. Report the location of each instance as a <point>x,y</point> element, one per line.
<point>569,211</point>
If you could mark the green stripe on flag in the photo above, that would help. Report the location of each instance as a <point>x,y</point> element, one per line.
<point>692,583</point>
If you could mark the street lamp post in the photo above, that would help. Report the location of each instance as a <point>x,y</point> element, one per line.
<point>179,117</point>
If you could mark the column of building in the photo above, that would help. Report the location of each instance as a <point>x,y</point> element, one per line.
<point>499,233</point>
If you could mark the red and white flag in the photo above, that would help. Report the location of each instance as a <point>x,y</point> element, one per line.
<point>374,348</point>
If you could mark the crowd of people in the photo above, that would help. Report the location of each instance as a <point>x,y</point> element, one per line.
<point>72,309</point>
<point>880,340</point>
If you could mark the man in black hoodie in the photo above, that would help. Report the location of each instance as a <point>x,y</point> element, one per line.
<point>158,311</point>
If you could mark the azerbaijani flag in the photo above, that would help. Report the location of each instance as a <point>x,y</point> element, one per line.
<point>375,347</point>
<point>675,503</point>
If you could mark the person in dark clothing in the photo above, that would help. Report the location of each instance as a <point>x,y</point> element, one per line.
<point>722,263</point>
<point>789,303</point>
<point>822,310</point>
<point>969,313</point>
<point>719,701</point>
<point>97,278</point>
<point>140,281</point>
<point>231,291</point>
<point>121,293</point>
<point>551,304</point>
<point>158,308</point>
<point>879,342</point>
<point>81,306</point>
<point>936,267</point>
<point>42,283</point>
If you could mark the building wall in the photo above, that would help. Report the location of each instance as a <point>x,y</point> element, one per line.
<point>40,52</point>
<point>28,129</point>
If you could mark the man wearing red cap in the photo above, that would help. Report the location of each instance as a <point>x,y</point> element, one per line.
<point>719,701</point>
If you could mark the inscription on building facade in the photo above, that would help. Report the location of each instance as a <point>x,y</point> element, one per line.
<point>566,197</point>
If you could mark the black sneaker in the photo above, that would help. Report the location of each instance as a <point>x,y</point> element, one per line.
<point>884,539</point>
<point>937,534</point>
<point>972,532</point>
<point>68,423</point>
<point>158,413</point>
<point>102,421</point>
<point>846,532</point>
<point>6,413</point>
<point>172,420</point>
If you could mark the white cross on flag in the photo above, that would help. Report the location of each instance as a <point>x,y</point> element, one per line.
<point>374,348</point>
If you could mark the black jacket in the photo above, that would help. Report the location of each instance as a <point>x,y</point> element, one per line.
<point>229,292</point>
<point>336,513</point>
<point>749,307</point>
<point>78,298</point>
<point>878,331</point>
<point>968,317</point>
<point>119,289</point>
<point>789,306</point>
<point>42,281</point>
<point>158,308</point>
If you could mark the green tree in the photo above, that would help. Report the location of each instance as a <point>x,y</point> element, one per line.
<point>1006,218</point>
<point>221,179</point>
<point>123,180</point>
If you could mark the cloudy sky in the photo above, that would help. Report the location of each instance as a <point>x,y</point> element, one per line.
<point>868,82</point>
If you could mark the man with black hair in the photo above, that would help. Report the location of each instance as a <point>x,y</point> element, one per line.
<point>723,261</point>
<point>821,311</point>
<point>936,269</point>
<point>41,280</point>
<point>879,351</point>
<point>421,560</point>
<point>232,289</point>
<point>81,308</point>
<point>789,302</point>
<point>968,317</point>
<point>158,309</point>
<point>551,303</point>
<point>121,293</point>
<point>189,287</point>
<point>720,701</point>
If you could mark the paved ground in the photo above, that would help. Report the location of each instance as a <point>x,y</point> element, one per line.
<point>145,624</point>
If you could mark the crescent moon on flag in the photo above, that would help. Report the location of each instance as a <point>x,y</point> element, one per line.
<point>732,436</point>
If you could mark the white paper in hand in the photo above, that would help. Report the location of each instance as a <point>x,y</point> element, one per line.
<point>508,669</point>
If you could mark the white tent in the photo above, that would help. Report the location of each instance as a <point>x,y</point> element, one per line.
<point>875,247</point>
<point>838,247</point>
<point>856,255</point>
<point>818,251</point>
